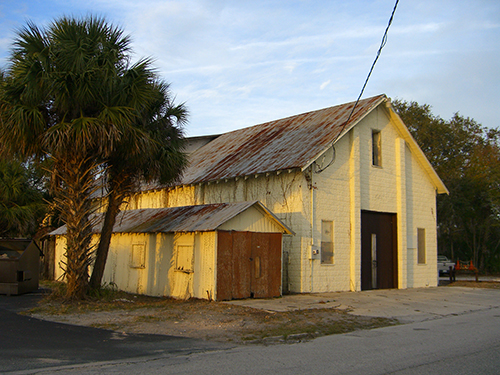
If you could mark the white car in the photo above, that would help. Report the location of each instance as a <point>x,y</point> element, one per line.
<point>444,265</point>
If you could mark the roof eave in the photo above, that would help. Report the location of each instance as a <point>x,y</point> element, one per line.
<point>415,148</point>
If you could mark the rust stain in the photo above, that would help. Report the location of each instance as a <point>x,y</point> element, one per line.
<point>287,143</point>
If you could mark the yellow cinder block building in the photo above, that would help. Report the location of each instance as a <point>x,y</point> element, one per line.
<point>355,202</point>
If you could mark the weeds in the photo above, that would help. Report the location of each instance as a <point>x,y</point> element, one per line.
<point>106,298</point>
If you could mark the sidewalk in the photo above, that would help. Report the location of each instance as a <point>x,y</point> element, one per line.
<point>406,305</point>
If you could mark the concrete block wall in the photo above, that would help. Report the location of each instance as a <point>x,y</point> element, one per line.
<point>421,213</point>
<point>168,197</point>
<point>399,186</point>
<point>329,199</point>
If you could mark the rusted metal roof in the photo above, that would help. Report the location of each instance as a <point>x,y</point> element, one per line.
<point>288,143</point>
<point>201,218</point>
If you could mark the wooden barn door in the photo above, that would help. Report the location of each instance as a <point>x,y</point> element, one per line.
<point>266,265</point>
<point>378,250</point>
<point>248,265</point>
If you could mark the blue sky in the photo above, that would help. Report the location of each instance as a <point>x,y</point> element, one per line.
<point>240,63</point>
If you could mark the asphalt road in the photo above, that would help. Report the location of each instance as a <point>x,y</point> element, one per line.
<point>27,344</point>
<point>459,345</point>
<point>465,342</point>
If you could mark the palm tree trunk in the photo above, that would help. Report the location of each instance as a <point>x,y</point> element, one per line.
<point>73,202</point>
<point>114,202</point>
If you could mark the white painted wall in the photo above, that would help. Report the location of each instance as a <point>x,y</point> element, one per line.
<point>421,213</point>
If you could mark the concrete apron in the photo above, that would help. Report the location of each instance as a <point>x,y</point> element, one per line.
<point>406,305</point>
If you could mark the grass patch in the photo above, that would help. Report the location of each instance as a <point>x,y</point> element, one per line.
<point>315,323</point>
<point>108,326</point>
<point>148,319</point>
<point>474,284</point>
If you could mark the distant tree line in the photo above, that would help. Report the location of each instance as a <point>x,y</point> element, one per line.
<point>466,155</point>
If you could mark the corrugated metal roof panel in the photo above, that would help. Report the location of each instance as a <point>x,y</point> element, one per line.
<point>200,218</point>
<point>288,143</point>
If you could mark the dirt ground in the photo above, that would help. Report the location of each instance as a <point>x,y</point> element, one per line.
<point>207,320</point>
<point>202,319</point>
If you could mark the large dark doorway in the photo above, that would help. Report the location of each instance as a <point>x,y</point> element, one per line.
<point>248,265</point>
<point>379,266</point>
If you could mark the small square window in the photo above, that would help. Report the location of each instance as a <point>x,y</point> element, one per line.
<point>184,258</point>
<point>376,148</point>
<point>138,256</point>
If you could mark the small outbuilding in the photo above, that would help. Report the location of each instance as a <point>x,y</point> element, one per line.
<point>214,251</point>
<point>19,266</point>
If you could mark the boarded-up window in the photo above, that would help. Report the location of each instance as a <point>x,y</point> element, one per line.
<point>326,242</point>
<point>184,258</point>
<point>376,148</point>
<point>138,256</point>
<point>421,246</point>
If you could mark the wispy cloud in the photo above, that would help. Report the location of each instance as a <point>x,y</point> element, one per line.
<point>324,84</point>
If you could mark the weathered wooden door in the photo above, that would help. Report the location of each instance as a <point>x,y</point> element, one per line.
<point>379,268</point>
<point>248,265</point>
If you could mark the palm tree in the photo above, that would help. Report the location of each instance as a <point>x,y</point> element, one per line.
<point>70,94</point>
<point>162,164</point>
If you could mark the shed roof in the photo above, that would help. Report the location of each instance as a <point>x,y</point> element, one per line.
<point>200,218</point>
<point>289,143</point>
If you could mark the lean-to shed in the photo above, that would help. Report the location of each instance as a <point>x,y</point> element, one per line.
<point>215,251</point>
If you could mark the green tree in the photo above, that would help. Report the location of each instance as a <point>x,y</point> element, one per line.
<point>466,156</point>
<point>162,120</point>
<point>70,94</point>
<point>22,204</point>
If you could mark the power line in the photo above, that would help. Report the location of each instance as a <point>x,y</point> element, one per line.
<point>382,45</point>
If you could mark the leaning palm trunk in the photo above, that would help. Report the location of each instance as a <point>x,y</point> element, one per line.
<point>115,199</point>
<point>73,192</point>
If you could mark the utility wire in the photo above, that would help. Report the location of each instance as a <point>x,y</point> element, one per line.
<point>382,45</point>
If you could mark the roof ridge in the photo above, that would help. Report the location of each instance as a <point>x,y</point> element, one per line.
<point>298,115</point>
